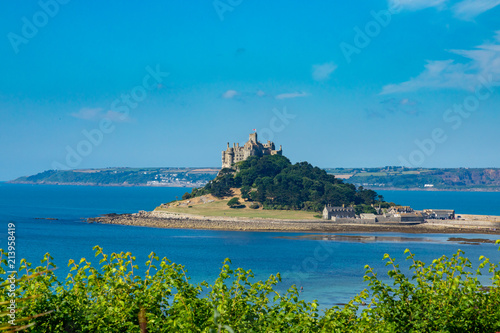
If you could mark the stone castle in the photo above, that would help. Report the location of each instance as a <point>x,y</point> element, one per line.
<point>253,147</point>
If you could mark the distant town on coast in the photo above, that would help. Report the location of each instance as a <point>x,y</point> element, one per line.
<point>389,177</point>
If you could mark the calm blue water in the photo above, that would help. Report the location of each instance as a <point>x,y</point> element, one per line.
<point>328,271</point>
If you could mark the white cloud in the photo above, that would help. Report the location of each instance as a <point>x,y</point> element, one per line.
<point>405,105</point>
<point>116,116</point>
<point>94,114</point>
<point>394,107</point>
<point>87,113</point>
<point>322,72</point>
<point>415,4</point>
<point>260,93</point>
<point>437,74</point>
<point>291,95</point>
<point>469,9</point>
<point>483,62</point>
<point>464,10</point>
<point>229,94</point>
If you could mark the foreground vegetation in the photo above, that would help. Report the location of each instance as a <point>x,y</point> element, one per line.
<point>117,296</point>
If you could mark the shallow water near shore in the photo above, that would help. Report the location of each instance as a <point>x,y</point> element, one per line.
<point>330,271</point>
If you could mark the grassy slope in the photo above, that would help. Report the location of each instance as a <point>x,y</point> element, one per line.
<point>219,208</point>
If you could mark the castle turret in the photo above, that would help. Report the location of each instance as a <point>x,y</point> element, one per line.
<point>253,137</point>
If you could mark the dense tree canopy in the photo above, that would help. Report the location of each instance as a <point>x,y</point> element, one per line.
<point>278,184</point>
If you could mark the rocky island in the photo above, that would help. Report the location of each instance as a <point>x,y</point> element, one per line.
<point>259,189</point>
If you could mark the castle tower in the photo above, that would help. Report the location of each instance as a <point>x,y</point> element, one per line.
<point>253,137</point>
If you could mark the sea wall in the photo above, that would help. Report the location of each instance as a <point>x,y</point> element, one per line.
<point>463,223</point>
<point>337,220</point>
<point>349,220</point>
<point>193,217</point>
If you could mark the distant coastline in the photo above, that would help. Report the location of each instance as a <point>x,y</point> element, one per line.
<point>434,189</point>
<point>190,186</point>
<point>94,184</point>
<point>387,178</point>
<point>125,177</point>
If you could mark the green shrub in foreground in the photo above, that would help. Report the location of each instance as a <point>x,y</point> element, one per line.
<point>116,296</point>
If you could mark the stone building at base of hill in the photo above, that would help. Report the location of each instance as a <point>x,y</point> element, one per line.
<point>253,147</point>
<point>331,213</point>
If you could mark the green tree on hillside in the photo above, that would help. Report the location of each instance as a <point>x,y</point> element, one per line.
<point>245,192</point>
<point>233,202</point>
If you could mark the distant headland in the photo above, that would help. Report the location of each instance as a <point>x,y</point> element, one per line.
<point>168,177</point>
<point>377,178</point>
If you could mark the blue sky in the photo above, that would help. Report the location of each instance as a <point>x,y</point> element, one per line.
<point>88,84</point>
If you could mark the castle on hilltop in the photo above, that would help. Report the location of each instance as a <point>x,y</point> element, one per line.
<point>253,147</point>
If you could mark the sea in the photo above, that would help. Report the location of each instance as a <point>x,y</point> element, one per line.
<point>50,218</point>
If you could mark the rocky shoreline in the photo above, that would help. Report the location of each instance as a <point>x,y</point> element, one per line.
<point>188,221</point>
